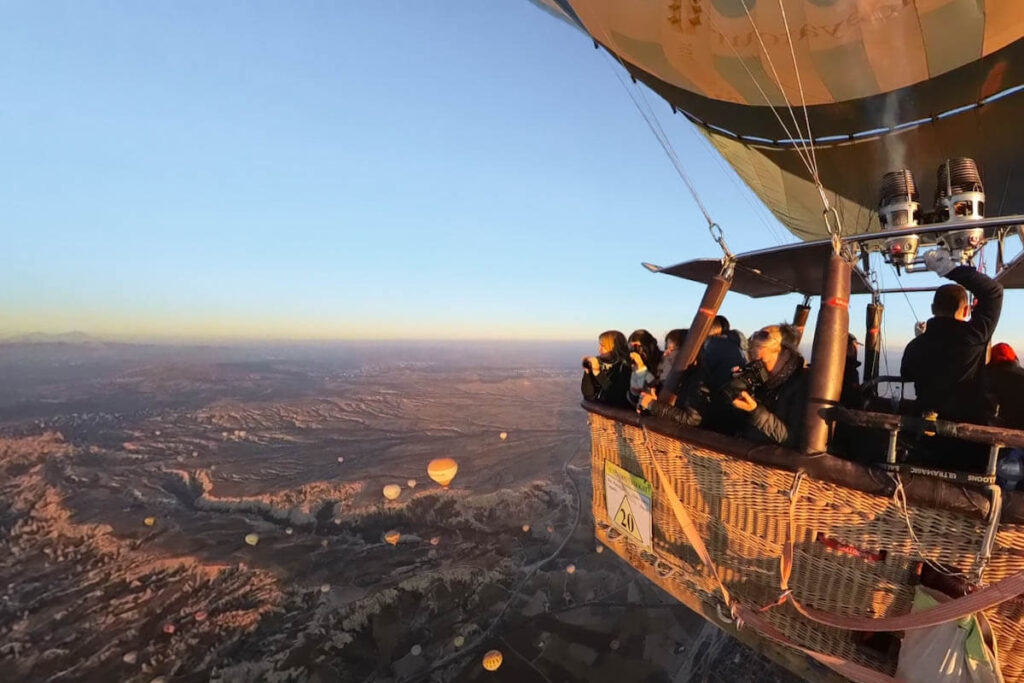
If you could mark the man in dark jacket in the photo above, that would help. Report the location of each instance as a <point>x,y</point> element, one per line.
<point>775,411</point>
<point>1005,379</point>
<point>947,361</point>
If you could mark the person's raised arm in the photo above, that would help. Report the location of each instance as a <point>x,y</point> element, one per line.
<point>989,294</point>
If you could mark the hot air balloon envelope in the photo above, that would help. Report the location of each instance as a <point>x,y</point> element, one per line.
<point>392,537</point>
<point>887,84</point>
<point>503,436</point>
<point>411,483</point>
<point>392,491</point>
<point>149,521</point>
<point>492,660</point>
<point>442,470</point>
<point>252,539</point>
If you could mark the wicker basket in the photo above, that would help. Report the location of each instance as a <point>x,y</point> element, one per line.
<point>854,553</point>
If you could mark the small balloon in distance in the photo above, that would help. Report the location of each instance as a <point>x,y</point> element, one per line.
<point>392,536</point>
<point>442,470</point>
<point>571,569</point>
<point>492,660</point>
<point>149,521</point>
<point>411,483</point>
<point>526,528</point>
<point>416,650</point>
<point>503,436</point>
<point>459,641</point>
<point>252,539</point>
<point>435,540</point>
<point>392,491</point>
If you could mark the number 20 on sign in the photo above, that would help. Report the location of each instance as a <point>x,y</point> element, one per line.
<point>628,499</point>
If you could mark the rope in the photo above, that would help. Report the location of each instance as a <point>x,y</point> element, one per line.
<point>659,133</point>
<point>899,497</point>
<point>803,100</point>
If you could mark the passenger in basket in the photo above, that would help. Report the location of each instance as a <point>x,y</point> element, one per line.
<point>771,389</point>
<point>644,356</point>
<point>1005,379</point>
<point>723,351</point>
<point>693,399</point>
<point>673,342</point>
<point>946,362</point>
<point>606,375</point>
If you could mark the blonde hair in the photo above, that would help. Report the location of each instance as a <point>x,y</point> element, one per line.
<point>769,337</point>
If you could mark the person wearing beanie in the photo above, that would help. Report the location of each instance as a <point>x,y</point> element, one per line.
<point>1005,379</point>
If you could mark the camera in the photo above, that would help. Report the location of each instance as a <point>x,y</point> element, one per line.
<point>750,378</point>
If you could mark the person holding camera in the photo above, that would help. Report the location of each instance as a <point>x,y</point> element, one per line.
<point>606,375</point>
<point>644,357</point>
<point>771,390</point>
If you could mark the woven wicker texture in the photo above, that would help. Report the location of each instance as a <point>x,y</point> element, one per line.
<point>854,553</point>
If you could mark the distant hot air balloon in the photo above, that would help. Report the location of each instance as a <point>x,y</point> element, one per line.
<point>551,529</point>
<point>435,540</point>
<point>200,616</point>
<point>503,436</point>
<point>459,641</point>
<point>442,470</point>
<point>526,528</point>
<point>149,521</point>
<point>492,660</point>
<point>341,459</point>
<point>169,629</point>
<point>392,491</point>
<point>289,531</point>
<point>325,588</point>
<point>599,549</point>
<point>571,569</point>
<point>392,537</point>
<point>415,650</point>
<point>129,657</point>
<point>252,539</point>
<point>411,483</point>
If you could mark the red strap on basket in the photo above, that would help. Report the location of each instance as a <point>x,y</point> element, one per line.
<point>958,608</point>
<point>855,672</point>
<point>844,667</point>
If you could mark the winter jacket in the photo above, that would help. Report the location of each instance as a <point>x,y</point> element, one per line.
<point>610,385</point>
<point>779,415</point>
<point>721,354</point>
<point>947,361</point>
<point>692,400</point>
<point>1006,386</point>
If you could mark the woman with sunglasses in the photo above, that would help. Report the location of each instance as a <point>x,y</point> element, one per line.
<point>774,408</point>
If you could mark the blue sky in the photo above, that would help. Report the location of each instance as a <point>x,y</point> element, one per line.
<point>313,169</point>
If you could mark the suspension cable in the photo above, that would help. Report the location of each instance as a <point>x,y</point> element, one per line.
<point>659,133</point>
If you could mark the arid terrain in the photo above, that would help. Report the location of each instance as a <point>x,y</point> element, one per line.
<point>216,514</point>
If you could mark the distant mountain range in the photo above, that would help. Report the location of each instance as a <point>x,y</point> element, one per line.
<point>44,338</point>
